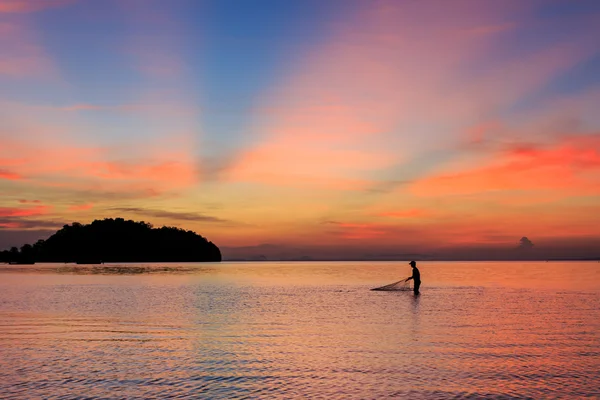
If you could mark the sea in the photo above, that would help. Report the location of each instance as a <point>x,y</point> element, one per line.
<point>300,330</point>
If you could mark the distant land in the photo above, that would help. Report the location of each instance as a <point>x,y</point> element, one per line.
<point>129,241</point>
<point>381,259</point>
<point>357,252</point>
<point>116,240</point>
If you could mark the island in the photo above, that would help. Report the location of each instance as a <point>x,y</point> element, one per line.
<point>116,240</point>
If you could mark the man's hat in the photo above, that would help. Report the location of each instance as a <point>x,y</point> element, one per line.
<point>413,263</point>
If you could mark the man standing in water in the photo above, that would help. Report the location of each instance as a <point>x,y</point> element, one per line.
<point>416,277</point>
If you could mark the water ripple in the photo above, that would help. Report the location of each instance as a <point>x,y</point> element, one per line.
<point>199,338</point>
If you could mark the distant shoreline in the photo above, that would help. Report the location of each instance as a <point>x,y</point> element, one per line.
<point>293,261</point>
<point>406,260</point>
<point>225,260</point>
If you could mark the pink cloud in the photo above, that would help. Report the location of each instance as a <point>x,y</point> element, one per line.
<point>25,212</point>
<point>22,55</point>
<point>22,65</point>
<point>82,107</point>
<point>490,29</point>
<point>154,56</point>
<point>81,207</point>
<point>151,105</point>
<point>478,133</point>
<point>23,201</point>
<point>27,6</point>
<point>382,87</point>
<point>9,175</point>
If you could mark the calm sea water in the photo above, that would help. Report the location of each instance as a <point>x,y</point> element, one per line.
<point>300,330</point>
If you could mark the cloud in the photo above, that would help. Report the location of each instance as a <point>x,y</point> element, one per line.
<point>462,224</point>
<point>56,152</point>
<point>360,231</point>
<point>490,29</point>
<point>131,193</point>
<point>20,217</point>
<point>82,107</point>
<point>381,88</point>
<point>170,173</point>
<point>154,56</point>
<point>379,103</point>
<point>25,211</point>
<point>382,233</point>
<point>570,164</point>
<point>173,215</point>
<point>9,175</point>
<point>28,6</point>
<point>413,213</point>
<point>150,106</point>
<point>26,223</point>
<point>81,207</point>
<point>479,134</point>
<point>22,55</point>
<point>152,168</point>
<point>317,164</point>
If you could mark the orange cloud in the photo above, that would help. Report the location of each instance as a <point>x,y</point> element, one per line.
<point>171,173</point>
<point>414,213</point>
<point>154,168</point>
<point>291,161</point>
<point>9,175</point>
<point>573,164</point>
<point>456,229</point>
<point>359,231</point>
<point>81,207</point>
<point>24,212</point>
<point>51,151</point>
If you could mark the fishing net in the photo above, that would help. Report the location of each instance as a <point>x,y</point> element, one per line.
<point>396,286</point>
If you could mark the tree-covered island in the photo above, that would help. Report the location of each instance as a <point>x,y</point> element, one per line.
<point>116,240</point>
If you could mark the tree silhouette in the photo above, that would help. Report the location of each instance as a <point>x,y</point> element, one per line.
<point>525,243</point>
<point>117,240</point>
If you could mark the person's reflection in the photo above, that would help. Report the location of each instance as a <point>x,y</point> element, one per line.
<point>416,317</point>
<point>416,300</point>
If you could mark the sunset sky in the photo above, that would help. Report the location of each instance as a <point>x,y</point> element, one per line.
<point>326,127</point>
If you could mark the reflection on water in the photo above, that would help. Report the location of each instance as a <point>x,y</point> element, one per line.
<point>107,269</point>
<point>300,330</point>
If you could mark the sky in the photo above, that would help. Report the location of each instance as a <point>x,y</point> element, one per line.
<point>316,128</point>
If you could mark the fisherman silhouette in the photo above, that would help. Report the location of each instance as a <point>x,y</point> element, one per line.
<point>416,277</point>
